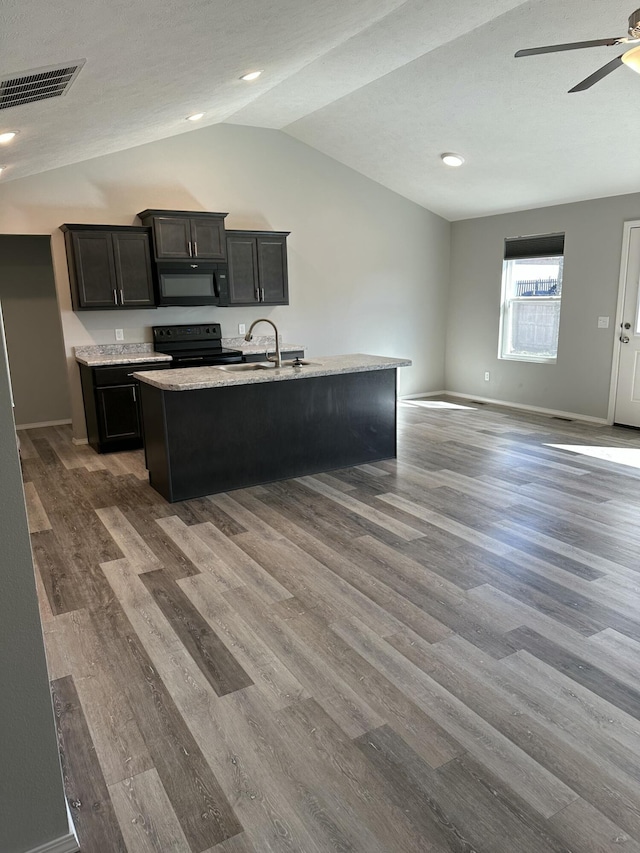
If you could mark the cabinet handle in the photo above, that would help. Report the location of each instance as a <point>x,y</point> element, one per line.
<point>195,249</point>
<point>135,399</point>
<point>257,294</point>
<point>115,297</point>
<point>190,252</point>
<point>121,296</point>
<point>262,294</point>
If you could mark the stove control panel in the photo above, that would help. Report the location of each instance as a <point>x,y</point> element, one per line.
<point>174,334</point>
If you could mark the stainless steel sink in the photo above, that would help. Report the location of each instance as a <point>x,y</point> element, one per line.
<point>243,368</point>
<point>264,365</point>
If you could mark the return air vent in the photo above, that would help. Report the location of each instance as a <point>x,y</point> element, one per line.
<point>38,85</point>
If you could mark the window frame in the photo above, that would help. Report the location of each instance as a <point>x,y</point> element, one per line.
<point>523,249</point>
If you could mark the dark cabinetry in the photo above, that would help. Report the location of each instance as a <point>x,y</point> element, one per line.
<point>109,267</point>
<point>258,267</point>
<point>181,234</point>
<point>111,405</point>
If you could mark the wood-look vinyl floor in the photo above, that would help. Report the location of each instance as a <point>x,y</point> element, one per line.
<point>439,653</point>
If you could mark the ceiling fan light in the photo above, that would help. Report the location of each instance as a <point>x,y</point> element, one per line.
<point>632,59</point>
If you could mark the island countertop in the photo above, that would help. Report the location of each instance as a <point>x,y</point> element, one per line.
<point>197,378</point>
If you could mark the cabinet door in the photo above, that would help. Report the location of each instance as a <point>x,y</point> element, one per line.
<point>208,237</point>
<point>172,237</point>
<point>133,269</point>
<point>272,270</point>
<point>95,273</point>
<point>118,412</point>
<point>243,271</point>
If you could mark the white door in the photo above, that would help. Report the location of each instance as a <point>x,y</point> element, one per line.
<point>627,399</point>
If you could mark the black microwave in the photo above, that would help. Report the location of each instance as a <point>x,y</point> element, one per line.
<point>192,283</point>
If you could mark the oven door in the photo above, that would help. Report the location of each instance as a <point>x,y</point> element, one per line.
<point>190,283</point>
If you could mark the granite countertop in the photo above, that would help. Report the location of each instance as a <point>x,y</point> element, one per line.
<point>260,344</point>
<point>196,378</point>
<point>100,355</point>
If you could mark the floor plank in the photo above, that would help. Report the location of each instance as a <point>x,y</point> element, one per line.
<point>434,653</point>
<point>87,795</point>
<point>220,667</point>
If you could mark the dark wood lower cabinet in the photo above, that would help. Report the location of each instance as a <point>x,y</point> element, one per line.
<point>112,406</point>
<point>206,441</point>
<point>118,412</point>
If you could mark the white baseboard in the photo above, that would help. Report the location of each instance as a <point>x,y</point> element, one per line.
<point>43,424</point>
<point>424,394</point>
<point>538,410</point>
<point>78,441</point>
<point>65,844</point>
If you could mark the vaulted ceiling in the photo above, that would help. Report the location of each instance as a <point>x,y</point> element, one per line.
<point>382,86</point>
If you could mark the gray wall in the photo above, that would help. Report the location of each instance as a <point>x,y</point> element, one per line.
<point>31,797</point>
<point>368,270</point>
<point>33,330</point>
<point>580,380</point>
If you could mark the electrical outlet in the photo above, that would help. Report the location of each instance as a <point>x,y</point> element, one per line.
<point>603,322</point>
<point>119,334</point>
<point>486,376</point>
<point>241,328</point>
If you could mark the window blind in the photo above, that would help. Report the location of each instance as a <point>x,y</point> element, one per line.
<point>545,246</point>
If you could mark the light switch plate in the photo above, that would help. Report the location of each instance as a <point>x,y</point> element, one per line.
<point>603,322</point>
<point>119,334</point>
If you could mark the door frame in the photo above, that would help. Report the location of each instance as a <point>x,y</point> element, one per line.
<point>617,346</point>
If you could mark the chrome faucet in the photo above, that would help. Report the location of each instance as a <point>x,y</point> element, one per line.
<point>248,336</point>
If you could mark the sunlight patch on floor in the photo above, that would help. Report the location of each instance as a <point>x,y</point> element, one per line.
<point>434,404</point>
<point>622,455</point>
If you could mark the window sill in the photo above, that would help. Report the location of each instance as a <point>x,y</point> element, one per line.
<point>531,358</point>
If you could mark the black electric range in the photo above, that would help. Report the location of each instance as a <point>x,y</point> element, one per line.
<point>194,346</point>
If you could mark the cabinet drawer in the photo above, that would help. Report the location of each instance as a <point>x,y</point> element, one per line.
<point>122,373</point>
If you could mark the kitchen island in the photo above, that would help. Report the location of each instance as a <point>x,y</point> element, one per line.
<point>211,429</point>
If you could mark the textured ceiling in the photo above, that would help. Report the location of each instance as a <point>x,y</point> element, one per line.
<point>383,86</point>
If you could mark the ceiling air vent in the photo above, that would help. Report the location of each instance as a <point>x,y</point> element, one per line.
<point>37,85</point>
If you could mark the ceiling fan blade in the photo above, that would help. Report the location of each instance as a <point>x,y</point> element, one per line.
<point>598,75</point>
<point>576,45</point>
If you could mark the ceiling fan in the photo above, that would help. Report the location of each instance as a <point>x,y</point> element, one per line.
<point>630,57</point>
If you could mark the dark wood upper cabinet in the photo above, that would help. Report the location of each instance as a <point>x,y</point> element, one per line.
<point>109,267</point>
<point>258,267</point>
<point>182,234</point>
<point>132,257</point>
<point>272,268</point>
<point>171,237</point>
<point>242,252</point>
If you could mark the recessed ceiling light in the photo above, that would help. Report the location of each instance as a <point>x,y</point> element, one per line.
<point>7,137</point>
<point>450,159</point>
<point>252,75</point>
<point>195,117</point>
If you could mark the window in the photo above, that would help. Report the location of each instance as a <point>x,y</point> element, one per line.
<point>531,297</point>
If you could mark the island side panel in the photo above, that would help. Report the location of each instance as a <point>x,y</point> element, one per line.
<point>154,435</point>
<point>219,439</point>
